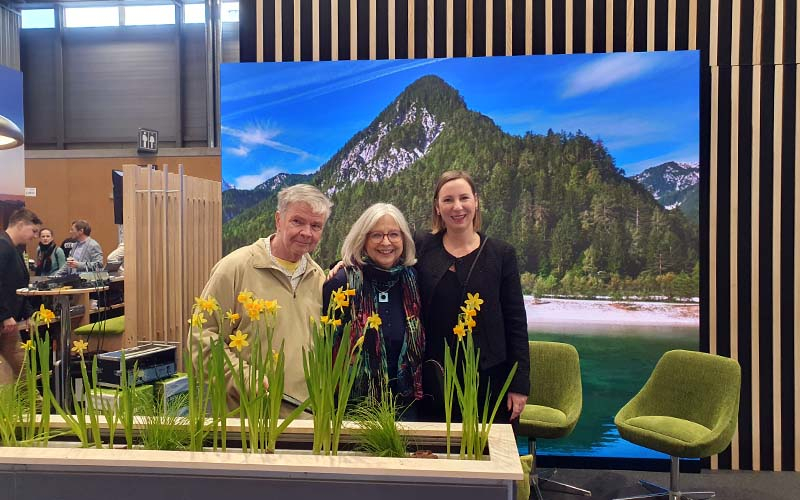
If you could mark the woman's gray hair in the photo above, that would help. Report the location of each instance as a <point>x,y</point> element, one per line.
<point>304,193</point>
<point>353,246</point>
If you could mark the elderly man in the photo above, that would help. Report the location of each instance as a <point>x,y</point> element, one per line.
<point>23,228</point>
<point>274,268</point>
<point>86,254</point>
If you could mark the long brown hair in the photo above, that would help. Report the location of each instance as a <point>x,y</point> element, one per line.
<point>437,223</point>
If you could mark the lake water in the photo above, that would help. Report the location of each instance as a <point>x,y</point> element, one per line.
<point>615,363</point>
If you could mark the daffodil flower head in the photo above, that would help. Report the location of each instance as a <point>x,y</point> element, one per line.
<point>340,299</point>
<point>245,296</point>
<point>28,345</point>
<point>474,301</point>
<point>374,321</point>
<point>322,319</point>
<point>238,341</point>
<point>197,320</point>
<point>358,343</point>
<point>254,309</point>
<point>469,312</point>
<point>79,347</point>
<point>208,305</point>
<point>470,323</point>
<point>271,306</point>
<point>232,317</point>
<point>459,331</point>
<point>45,315</point>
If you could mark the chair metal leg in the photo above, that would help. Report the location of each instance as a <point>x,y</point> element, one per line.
<point>697,495</point>
<point>567,488</point>
<point>540,479</point>
<point>673,492</point>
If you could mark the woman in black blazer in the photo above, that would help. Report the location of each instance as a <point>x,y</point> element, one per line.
<point>455,259</point>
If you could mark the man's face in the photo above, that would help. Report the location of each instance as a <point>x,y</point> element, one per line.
<point>75,233</point>
<point>298,232</point>
<point>28,233</point>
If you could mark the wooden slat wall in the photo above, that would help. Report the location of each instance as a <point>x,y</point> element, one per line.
<point>749,147</point>
<point>167,260</point>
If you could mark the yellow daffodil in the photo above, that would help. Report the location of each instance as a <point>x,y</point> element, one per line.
<point>340,299</point>
<point>474,301</point>
<point>208,305</point>
<point>322,319</point>
<point>238,341</point>
<point>245,296</point>
<point>28,345</point>
<point>350,292</point>
<point>335,322</point>
<point>45,315</point>
<point>459,331</point>
<point>470,323</point>
<point>374,321</point>
<point>197,320</point>
<point>358,343</point>
<point>79,346</point>
<point>232,317</point>
<point>271,306</point>
<point>254,309</point>
<point>469,312</point>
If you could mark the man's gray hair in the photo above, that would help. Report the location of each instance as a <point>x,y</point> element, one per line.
<point>353,246</point>
<point>304,193</point>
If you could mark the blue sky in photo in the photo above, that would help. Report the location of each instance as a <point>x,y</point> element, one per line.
<point>293,116</point>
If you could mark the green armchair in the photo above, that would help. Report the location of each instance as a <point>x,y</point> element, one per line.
<point>554,404</point>
<point>688,408</point>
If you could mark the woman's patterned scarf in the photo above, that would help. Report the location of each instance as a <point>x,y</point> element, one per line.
<point>374,374</point>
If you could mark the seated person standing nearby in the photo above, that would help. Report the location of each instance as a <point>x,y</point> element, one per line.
<point>280,268</point>
<point>49,256</point>
<point>378,254</point>
<point>86,255</point>
<point>23,228</point>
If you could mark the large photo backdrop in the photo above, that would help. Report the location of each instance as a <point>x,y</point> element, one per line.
<point>12,149</point>
<point>587,164</point>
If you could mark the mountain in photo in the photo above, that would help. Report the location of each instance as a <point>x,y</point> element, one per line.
<point>674,185</point>
<point>235,201</point>
<point>558,198</point>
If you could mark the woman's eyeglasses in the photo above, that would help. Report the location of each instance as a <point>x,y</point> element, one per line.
<point>377,237</point>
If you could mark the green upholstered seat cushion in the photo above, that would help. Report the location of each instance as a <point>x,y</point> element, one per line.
<point>677,429</point>
<point>113,326</point>
<point>544,422</point>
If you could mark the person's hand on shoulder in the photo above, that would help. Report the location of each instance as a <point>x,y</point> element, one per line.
<point>335,269</point>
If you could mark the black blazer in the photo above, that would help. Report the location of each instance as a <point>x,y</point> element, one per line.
<point>502,330</point>
<point>13,275</point>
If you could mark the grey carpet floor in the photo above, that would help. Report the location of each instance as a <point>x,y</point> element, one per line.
<point>728,485</point>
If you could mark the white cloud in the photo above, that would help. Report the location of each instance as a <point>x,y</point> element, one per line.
<point>312,88</point>
<point>240,151</point>
<point>260,135</point>
<point>610,70</point>
<point>253,180</point>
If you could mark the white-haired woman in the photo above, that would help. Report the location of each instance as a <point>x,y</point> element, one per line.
<point>379,255</point>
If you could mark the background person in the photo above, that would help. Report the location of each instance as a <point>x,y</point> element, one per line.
<point>23,228</point>
<point>49,257</point>
<point>86,255</point>
<point>379,255</point>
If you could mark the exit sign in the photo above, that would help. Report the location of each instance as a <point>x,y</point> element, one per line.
<point>148,141</point>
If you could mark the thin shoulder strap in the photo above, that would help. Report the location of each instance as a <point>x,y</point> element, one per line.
<point>472,268</point>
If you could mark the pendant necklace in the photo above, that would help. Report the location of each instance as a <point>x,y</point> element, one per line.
<point>383,294</point>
